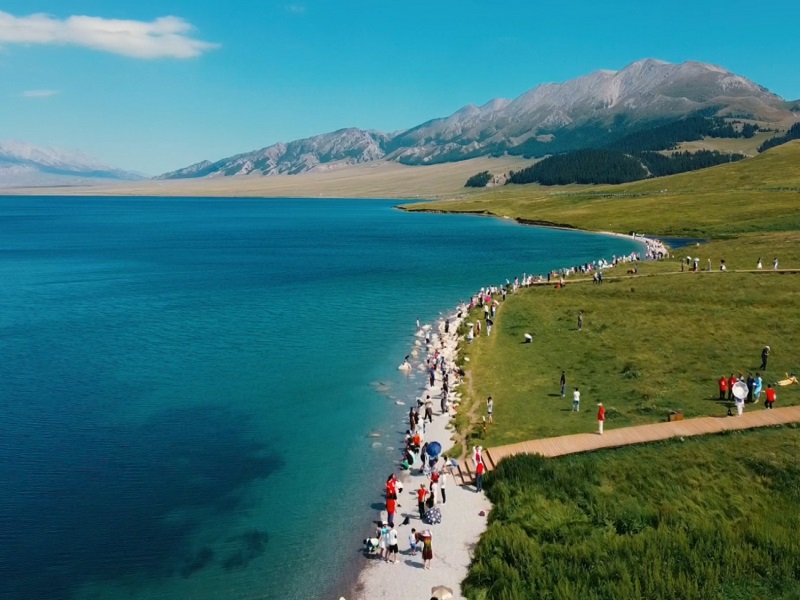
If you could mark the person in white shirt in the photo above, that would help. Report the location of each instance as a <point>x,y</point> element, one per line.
<point>392,549</point>
<point>576,400</point>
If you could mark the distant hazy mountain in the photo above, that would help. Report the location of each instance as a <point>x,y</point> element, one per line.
<point>23,164</point>
<point>549,118</point>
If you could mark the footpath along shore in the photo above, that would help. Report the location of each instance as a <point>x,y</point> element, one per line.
<point>462,523</point>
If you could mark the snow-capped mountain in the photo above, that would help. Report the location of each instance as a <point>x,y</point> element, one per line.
<point>23,164</point>
<point>553,117</point>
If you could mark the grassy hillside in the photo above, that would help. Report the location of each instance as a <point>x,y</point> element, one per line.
<point>748,146</point>
<point>756,194</point>
<point>705,519</point>
<point>649,345</point>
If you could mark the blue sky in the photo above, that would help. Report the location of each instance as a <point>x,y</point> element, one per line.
<point>220,78</point>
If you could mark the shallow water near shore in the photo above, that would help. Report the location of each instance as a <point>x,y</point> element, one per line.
<point>189,386</point>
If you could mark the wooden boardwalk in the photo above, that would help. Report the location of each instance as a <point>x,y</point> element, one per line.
<point>627,436</point>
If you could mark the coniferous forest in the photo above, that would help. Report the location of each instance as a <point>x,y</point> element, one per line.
<point>792,134</point>
<point>613,166</point>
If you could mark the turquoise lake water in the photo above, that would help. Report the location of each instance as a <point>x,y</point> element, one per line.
<point>188,386</point>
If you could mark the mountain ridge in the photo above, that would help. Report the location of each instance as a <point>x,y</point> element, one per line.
<point>551,117</point>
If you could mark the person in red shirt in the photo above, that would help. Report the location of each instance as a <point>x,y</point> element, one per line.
<point>771,397</point>
<point>731,380</point>
<point>479,469</point>
<point>422,493</point>
<point>391,508</point>
<point>601,417</point>
<point>723,387</point>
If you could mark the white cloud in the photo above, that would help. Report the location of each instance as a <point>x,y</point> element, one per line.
<point>165,37</point>
<point>40,93</point>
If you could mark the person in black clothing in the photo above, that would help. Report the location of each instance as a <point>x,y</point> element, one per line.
<point>764,357</point>
<point>563,382</point>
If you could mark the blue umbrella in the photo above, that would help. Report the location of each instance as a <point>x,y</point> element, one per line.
<point>434,449</point>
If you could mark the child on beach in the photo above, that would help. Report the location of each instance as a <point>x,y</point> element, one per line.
<point>413,544</point>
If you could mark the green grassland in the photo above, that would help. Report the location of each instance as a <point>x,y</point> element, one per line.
<point>746,146</point>
<point>706,519</point>
<point>753,195</point>
<point>649,345</point>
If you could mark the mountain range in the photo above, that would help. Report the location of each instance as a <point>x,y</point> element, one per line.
<point>550,118</point>
<point>23,164</point>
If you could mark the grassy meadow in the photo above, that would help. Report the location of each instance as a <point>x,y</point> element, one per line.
<point>706,518</point>
<point>754,195</point>
<point>701,519</point>
<point>649,345</point>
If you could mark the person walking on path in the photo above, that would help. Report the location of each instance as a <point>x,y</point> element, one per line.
<point>576,400</point>
<point>771,397</point>
<point>479,469</point>
<point>601,417</point>
<point>580,321</point>
<point>563,382</point>
<point>443,485</point>
<point>422,493</point>
<point>758,264</point>
<point>723,387</point>
<point>764,357</point>
<point>739,405</point>
<point>775,264</point>
<point>490,409</point>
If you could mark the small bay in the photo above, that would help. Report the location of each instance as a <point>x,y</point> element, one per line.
<point>198,395</point>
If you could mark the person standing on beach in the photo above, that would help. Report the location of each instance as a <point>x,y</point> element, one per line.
<point>422,493</point>
<point>580,321</point>
<point>392,549</point>
<point>576,400</point>
<point>764,357</point>
<point>490,409</point>
<point>563,383</point>
<point>601,417</point>
<point>771,397</point>
<point>447,325</point>
<point>427,548</point>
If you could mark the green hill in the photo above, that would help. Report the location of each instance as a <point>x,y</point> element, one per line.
<point>757,194</point>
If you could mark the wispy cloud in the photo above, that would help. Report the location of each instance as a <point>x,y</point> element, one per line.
<point>40,93</point>
<point>296,8</point>
<point>165,37</point>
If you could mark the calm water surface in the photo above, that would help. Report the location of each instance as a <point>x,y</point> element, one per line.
<point>188,386</point>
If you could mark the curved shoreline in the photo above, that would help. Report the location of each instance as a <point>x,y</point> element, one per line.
<point>452,545</point>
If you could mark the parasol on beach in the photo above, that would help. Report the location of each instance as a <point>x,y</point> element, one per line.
<point>441,593</point>
<point>433,516</point>
<point>434,449</point>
